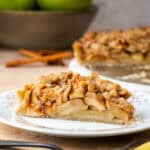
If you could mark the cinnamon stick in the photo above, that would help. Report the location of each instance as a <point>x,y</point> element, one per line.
<point>53,57</point>
<point>29,53</point>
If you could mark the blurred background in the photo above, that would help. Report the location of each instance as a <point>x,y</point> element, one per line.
<point>121,13</point>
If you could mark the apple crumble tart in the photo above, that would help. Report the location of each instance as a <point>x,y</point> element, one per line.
<point>75,97</point>
<point>130,46</point>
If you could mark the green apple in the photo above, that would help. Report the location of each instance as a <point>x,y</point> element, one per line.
<point>70,5</point>
<point>16,4</point>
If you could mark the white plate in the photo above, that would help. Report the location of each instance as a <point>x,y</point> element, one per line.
<point>66,128</point>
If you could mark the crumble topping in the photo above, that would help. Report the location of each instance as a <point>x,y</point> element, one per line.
<point>129,46</point>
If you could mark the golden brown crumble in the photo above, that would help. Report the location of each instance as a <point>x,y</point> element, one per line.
<point>125,46</point>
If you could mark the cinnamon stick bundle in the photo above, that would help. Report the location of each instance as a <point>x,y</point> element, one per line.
<point>49,58</point>
<point>40,53</point>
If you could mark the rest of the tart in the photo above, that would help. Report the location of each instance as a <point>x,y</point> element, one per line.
<point>75,97</point>
<point>130,46</point>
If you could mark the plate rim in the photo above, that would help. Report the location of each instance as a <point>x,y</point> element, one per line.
<point>62,133</point>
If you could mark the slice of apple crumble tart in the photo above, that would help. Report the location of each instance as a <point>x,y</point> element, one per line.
<point>75,97</point>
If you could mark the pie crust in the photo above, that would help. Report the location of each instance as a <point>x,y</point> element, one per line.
<point>75,97</point>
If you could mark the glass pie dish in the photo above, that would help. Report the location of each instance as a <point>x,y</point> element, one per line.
<point>121,54</point>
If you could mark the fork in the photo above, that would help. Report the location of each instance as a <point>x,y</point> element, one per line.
<point>8,144</point>
<point>129,145</point>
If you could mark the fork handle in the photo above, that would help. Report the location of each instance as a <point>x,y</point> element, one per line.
<point>6,144</point>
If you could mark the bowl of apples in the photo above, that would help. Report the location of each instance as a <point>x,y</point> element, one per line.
<point>44,24</point>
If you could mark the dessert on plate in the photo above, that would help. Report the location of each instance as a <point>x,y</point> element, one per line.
<point>75,97</point>
<point>131,46</point>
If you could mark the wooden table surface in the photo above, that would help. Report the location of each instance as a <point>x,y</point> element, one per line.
<point>12,78</point>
